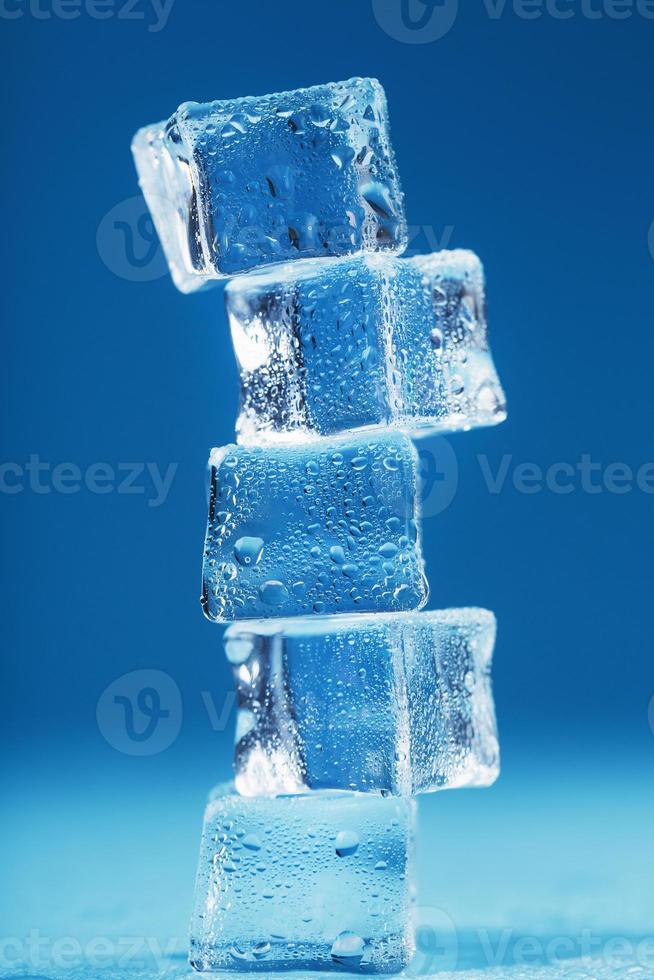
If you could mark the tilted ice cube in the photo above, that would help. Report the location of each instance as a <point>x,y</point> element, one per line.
<point>324,527</point>
<point>313,882</point>
<point>394,703</point>
<point>241,183</point>
<point>324,347</point>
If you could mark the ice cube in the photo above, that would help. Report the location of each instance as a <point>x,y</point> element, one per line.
<point>393,703</point>
<point>236,184</point>
<point>311,882</point>
<point>325,347</point>
<point>323,527</point>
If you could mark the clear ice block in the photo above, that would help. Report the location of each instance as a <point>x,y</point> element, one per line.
<point>311,882</point>
<point>325,527</point>
<point>325,347</point>
<point>241,183</point>
<point>398,703</point>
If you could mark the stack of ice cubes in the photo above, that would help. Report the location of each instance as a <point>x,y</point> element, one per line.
<point>350,700</point>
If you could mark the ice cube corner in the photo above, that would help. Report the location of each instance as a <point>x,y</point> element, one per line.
<point>240,183</point>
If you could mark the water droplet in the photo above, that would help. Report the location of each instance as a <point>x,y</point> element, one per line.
<point>252,842</point>
<point>377,196</point>
<point>238,649</point>
<point>342,156</point>
<point>237,952</point>
<point>234,127</point>
<point>436,337</point>
<point>337,554</point>
<point>226,571</point>
<point>248,551</point>
<point>347,843</point>
<point>348,949</point>
<point>274,593</point>
<point>261,950</point>
<point>319,115</point>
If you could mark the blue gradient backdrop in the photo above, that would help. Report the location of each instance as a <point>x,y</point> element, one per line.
<point>527,140</point>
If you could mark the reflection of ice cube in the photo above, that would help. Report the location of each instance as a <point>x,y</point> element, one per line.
<point>328,346</point>
<point>310,882</point>
<point>323,527</point>
<point>241,183</point>
<point>396,703</point>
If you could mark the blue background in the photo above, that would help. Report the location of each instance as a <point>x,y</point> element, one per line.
<point>529,141</point>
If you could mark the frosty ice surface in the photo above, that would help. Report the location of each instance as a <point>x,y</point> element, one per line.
<point>324,527</point>
<point>394,703</point>
<point>324,347</point>
<point>309,882</point>
<point>235,184</point>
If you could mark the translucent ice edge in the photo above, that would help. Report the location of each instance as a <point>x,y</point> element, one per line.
<point>316,625</point>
